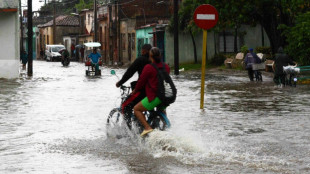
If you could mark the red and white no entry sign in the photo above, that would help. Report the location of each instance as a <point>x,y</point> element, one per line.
<point>206,16</point>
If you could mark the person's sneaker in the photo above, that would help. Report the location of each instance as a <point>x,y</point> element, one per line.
<point>145,132</point>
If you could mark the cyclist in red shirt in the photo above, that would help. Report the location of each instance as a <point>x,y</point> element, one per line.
<point>148,81</point>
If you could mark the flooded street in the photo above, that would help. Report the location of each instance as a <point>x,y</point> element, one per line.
<point>55,122</point>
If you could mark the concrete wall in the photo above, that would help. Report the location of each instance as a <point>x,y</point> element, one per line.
<point>186,49</point>
<point>252,39</point>
<point>9,45</point>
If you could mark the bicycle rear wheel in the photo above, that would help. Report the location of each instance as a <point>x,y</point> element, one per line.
<point>157,122</point>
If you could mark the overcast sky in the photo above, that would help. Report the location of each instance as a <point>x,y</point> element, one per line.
<point>36,4</point>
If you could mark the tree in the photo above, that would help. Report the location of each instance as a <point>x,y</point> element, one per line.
<point>186,22</point>
<point>84,4</point>
<point>298,38</point>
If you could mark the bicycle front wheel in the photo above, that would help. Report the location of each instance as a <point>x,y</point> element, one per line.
<point>114,117</point>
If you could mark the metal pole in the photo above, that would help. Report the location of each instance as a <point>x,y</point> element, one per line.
<point>95,21</point>
<point>203,67</point>
<point>30,35</point>
<point>176,37</point>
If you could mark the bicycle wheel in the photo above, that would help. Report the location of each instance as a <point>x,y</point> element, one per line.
<point>114,118</point>
<point>260,77</point>
<point>157,122</point>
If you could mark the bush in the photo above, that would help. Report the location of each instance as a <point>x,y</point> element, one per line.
<point>244,49</point>
<point>218,59</point>
<point>264,50</point>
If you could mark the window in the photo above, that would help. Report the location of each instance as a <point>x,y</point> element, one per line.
<point>88,19</point>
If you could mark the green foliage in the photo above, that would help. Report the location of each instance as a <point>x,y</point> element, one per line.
<point>264,50</point>
<point>84,4</point>
<point>244,49</point>
<point>217,59</point>
<point>298,38</point>
<point>66,6</point>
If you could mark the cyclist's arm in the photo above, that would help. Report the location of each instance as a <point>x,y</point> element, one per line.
<point>133,68</point>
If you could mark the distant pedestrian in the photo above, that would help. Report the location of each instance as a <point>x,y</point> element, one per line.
<point>41,53</point>
<point>72,50</point>
<point>24,59</point>
<point>82,49</point>
<point>249,60</point>
<point>281,59</point>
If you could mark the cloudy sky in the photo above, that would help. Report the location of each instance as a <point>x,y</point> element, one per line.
<point>36,4</point>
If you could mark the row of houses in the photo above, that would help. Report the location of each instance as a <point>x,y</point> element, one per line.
<point>122,29</point>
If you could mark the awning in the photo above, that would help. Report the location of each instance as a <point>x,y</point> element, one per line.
<point>8,10</point>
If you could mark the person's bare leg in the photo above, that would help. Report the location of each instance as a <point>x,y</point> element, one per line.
<point>138,109</point>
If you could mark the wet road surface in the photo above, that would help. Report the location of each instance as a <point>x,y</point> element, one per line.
<point>55,122</point>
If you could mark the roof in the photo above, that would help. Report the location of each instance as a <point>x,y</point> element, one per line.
<point>63,20</point>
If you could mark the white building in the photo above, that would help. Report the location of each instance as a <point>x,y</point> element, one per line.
<point>9,39</point>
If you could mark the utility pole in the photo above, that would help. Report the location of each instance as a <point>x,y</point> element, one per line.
<point>119,32</point>
<point>115,31</point>
<point>176,37</point>
<point>111,40</point>
<point>54,22</point>
<point>95,21</point>
<point>21,27</point>
<point>30,35</point>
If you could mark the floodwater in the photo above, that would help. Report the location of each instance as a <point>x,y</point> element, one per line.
<point>55,122</point>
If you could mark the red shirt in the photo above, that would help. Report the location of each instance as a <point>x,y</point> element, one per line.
<point>148,80</point>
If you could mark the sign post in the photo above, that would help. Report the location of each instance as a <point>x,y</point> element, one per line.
<point>205,17</point>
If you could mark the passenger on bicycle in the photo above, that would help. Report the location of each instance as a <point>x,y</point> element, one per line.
<point>94,58</point>
<point>148,81</point>
<point>281,59</point>
<point>136,66</point>
<point>250,59</point>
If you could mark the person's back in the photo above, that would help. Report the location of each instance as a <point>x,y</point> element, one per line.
<point>281,59</point>
<point>137,65</point>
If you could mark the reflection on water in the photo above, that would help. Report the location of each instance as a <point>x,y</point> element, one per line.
<point>55,122</point>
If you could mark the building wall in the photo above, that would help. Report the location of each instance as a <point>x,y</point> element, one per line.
<point>89,20</point>
<point>9,41</point>
<point>143,37</point>
<point>103,35</point>
<point>128,40</point>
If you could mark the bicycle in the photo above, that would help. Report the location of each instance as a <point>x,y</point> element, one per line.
<point>157,119</point>
<point>256,68</point>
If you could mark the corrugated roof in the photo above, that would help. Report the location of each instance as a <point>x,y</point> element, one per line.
<point>64,20</point>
